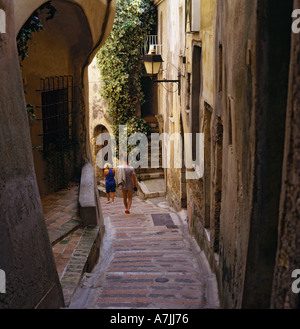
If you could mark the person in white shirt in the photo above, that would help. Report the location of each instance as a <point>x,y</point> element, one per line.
<point>127,178</point>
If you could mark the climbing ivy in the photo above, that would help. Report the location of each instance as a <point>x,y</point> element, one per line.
<point>33,24</point>
<point>119,61</point>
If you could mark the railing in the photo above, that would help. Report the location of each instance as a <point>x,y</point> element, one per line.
<point>151,41</point>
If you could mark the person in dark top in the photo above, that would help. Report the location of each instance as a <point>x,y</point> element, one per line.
<point>110,183</point>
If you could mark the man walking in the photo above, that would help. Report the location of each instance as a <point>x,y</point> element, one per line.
<point>127,178</point>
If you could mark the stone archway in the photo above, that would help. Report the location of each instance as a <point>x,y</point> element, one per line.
<point>54,76</point>
<point>27,259</point>
<point>98,130</point>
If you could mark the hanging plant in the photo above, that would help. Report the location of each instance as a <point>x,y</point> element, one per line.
<point>33,24</point>
<point>119,63</point>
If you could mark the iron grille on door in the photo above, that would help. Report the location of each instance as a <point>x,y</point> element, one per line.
<point>57,101</point>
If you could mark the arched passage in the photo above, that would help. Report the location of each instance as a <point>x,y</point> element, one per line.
<point>52,78</point>
<point>98,130</point>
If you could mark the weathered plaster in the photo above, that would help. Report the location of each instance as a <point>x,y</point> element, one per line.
<point>25,251</point>
<point>94,11</point>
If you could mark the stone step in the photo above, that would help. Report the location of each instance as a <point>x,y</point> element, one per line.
<point>153,124</point>
<point>101,188</point>
<point>150,119</point>
<point>83,259</point>
<point>142,176</point>
<point>153,130</point>
<point>152,188</point>
<point>59,233</point>
<point>148,170</point>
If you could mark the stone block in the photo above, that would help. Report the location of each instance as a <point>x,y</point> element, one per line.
<point>87,202</point>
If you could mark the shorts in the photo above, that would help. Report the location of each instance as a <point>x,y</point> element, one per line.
<point>110,188</point>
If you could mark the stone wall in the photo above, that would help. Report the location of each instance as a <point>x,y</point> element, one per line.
<point>288,250</point>
<point>234,89</point>
<point>26,256</point>
<point>235,38</point>
<point>25,251</point>
<point>272,56</point>
<point>99,119</point>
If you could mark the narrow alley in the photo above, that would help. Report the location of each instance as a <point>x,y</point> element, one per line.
<point>201,99</point>
<point>148,261</point>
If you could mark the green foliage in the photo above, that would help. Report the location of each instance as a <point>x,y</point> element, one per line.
<point>119,63</point>
<point>30,112</point>
<point>33,24</point>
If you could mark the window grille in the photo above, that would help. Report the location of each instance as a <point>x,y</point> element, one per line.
<point>57,104</point>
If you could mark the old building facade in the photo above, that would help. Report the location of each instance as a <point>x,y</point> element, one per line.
<point>235,67</point>
<point>55,75</point>
<point>237,74</point>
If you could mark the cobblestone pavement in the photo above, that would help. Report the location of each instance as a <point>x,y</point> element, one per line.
<point>61,211</point>
<point>147,261</point>
<point>60,207</point>
<point>72,244</point>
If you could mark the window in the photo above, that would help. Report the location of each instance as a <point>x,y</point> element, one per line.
<point>57,101</point>
<point>220,69</point>
<point>196,95</point>
<point>192,16</point>
<point>229,122</point>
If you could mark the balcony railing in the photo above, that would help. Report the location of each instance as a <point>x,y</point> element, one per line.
<point>151,41</point>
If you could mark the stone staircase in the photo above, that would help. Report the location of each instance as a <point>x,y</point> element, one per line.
<point>75,245</point>
<point>151,180</point>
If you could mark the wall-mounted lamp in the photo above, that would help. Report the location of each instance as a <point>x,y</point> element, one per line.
<point>153,63</point>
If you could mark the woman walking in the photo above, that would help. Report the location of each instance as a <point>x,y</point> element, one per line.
<point>110,183</point>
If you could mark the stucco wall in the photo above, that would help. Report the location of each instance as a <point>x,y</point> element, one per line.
<point>170,20</point>
<point>65,47</point>
<point>95,11</point>
<point>233,209</point>
<point>99,119</point>
<point>26,255</point>
<point>178,54</point>
<point>60,49</point>
<point>25,251</point>
<point>234,107</point>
